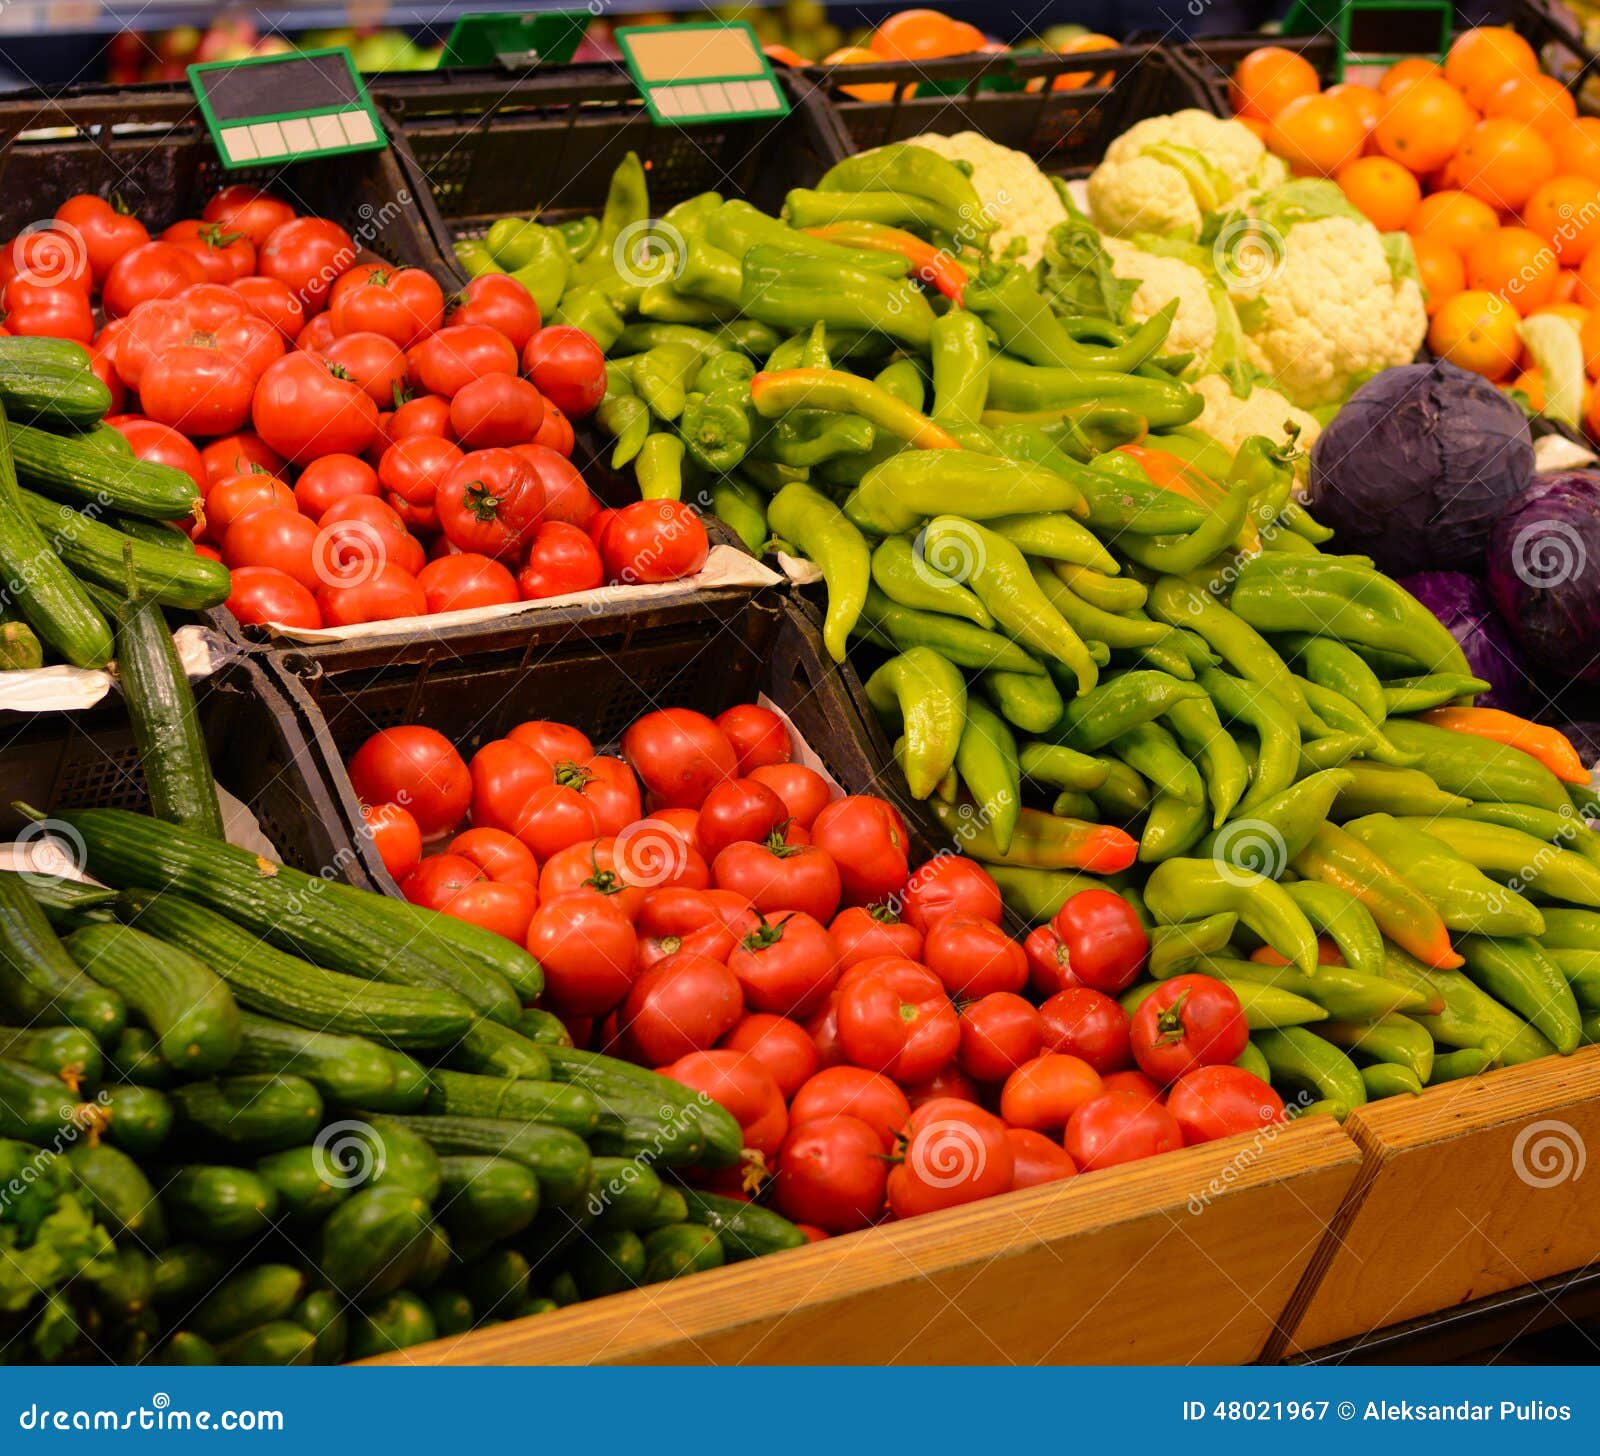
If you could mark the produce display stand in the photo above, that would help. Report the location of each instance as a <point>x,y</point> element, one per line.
<point>1180,1259</point>
<point>1474,1188</point>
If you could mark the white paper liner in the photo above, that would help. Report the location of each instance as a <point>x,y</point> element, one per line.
<point>67,689</point>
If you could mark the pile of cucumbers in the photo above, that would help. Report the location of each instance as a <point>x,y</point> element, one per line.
<point>319,1124</point>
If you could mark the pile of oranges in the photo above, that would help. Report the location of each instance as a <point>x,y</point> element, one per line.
<point>1483,161</point>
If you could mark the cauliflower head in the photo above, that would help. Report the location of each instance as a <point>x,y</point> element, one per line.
<point>1162,279</point>
<point>1016,195</point>
<point>1230,421</point>
<point>1165,173</point>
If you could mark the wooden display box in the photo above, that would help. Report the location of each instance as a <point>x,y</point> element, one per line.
<point>1187,1258</point>
<point>1473,1188</point>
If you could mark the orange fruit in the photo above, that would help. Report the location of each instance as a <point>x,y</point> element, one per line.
<point>1588,290</point>
<point>1402,73</point>
<point>1516,263</point>
<point>1481,60</point>
<point>1443,273</point>
<point>1531,383</point>
<point>1384,191</point>
<point>1076,80</point>
<point>1422,126</point>
<point>1268,79</point>
<point>1566,293</point>
<point>921,35</point>
<point>1577,147</point>
<point>783,55</point>
<point>859,56</point>
<point>1316,134</point>
<point>1565,212</point>
<point>1363,100</point>
<point>1541,101</point>
<point>1477,331</point>
<point>1589,338</point>
<point>1262,129</point>
<point>1502,161</point>
<point>1456,219</point>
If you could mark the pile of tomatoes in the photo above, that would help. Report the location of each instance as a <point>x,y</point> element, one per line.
<point>1483,160</point>
<point>705,905</point>
<point>366,448</point>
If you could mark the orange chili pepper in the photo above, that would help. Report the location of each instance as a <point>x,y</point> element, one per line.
<point>1328,954</point>
<point>1552,748</point>
<point>928,263</point>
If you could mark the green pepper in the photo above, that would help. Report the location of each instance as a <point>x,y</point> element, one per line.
<point>536,256</point>
<point>1458,1065</point>
<point>626,418</point>
<point>1302,525</point>
<point>1332,665</point>
<point>1267,1007</point>
<point>1386,1079</point>
<point>1187,889</point>
<point>790,291</point>
<point>1345,994</point>
<point>1472,1018</point>
<point>1116,630</point>
<point>1378,788</point>
<point>959,345</point>
<point>1119,704</point>
<point>1041,842</point>
<point>662,303</point>
<point>1418,694</point>
<point>1155,753</point>
<point>1124,795</point>
<point>639,338</point>
<point>743,509</point>
<point>1392,1039</point>
<point>1585,799</point>
<point>803,438</point>
<point>805,207</point>
<point>1006,300</point>
<point>817,528</point>
<point>580,235</point>
<point>737,227</point>
<point>1122,501</point>
<point>1332,750</point>
<point>1226,774</point>
<point>717,427</point>
<point>1343,716</point>
<point>1056,537</point>
<point>904,380</point>
<point>708,273</point>
<point>777,392</point>
<point>1061,767</point>
<point>662,375</point>
<point>965,644</point>
<point>1518,974</point>
<point>1550,825</point>
<point>475,258</point>
<point>915,171</point>
<point>1174,826</point>
<point>1036,895</point>
<point>914,485</point>
<point>903,574</point>
<point>1278,758</point>
<point>1116,594</point>
<point>1029,388</point>
<point>1581,969</point>
<point>725,368</point>
<point>927,693</point>
<point>1558,874</point>
<point>1026,700</point>
<point>1303,1059</point>
<point>590,310</point>
<point>1277,828</point>
<point>659,468</point>
<point>1344,920</point>
<point>1570,929</point>
<point>627,201</point>
<point>1464,763</point>
<point>1175,948</point>
<point>986,760</point>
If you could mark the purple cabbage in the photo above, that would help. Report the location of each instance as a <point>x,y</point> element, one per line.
<point>1462,604</point>
<point>1417,465</point>
<point>1544,575</point>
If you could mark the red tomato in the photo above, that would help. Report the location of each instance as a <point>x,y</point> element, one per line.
<point>744,1087</point>
<point>372,362</point>
<point>949,884</point>
<point>777,877</point>
<point>238,496</point>
<point>504,775</point>
<point>780,1045</point>
<point>1044,1093</point>
<point>1187,1022</point>
<point>274,302</point>
<point>948,1081</point>
<point>553,817</point>
<point>499,855</point>
<point>567,498</point>
<point>759,736</point>
<point>395,836</point>
<point>864,932</point>
<point>427,414</point>
<point>653,541</point>
<point>333,478</point>
<point>957,1156</point>
<point>454,886</point>
<point>302,410</point>
<point>151,270</point>
<point>402,304</point>
<point>866,838</point>
<point>855,1092</point>
<point>679,755</point>
<point>417,768</point>
<point>317,336</point>
<point>48,256</point>
<point>787,967</point>
<point>385,594</point>
<point>612,792</point>
<point>1217,1102</point>
<point>490,502</point>
<point>437,879</point>
<point>1131,1081</point>
<point>358,534</point>
<point>1037,1159</point>
<point>831,1174</point>
<point>102,360</point>
<point>973,957</point>
<point>413,468</point>
<point>568,367</point>
<point>498,409</point>
<point>561,560</point>
<point>1048,971</point>
<point>107,233</point>
<point>240,454</point>
<point>275,536</point>
<point>307,254</point>
<point>591,867</point>
<point>1104,941</point>
<point>805,793</point>
<point>556,741</point>
<point>262,594</point>
<point>452,358</point>
<point>244,209</point>
<point>895,1017</point>
<point>456,583</point>
<point>555,433</point>
<point>682,1004</point>
<point>224,255</point>
<point>1120,1127</point>
<point>161,443</point>
<point>674,918</point>
<point>586,946</point>
<point>1088,1024</point>
<point>735,810</point>
<point>499,302</point>
<point>47,311</point>
<point>201,389</point>
<point>999,1032</point>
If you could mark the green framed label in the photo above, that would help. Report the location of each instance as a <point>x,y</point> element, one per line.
<point>288,108</point>
<point>708,71</point>
<point>1372,33</point>
<point>515,40</point>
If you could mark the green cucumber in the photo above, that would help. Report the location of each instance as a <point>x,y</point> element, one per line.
<point>120,1193</point>
<point>542,1026</point>
<point>280,1342</point>
<point>437,1255</point>
<point>23,351</point>
<point>494,1049</point>
<point>69,903</point>
<point>185,1272</point>
<point>747,1230</point>
<point>322,1313</point>
<point>39,983</point>
<point>277,984</point>
<point>671,1207</point>
<point>254,1109</point>
<point>155,533</point>
<point>67,1052</point>
<point>20,648</point>
<point>218,1204</point>
<point>410,1089</point>
<point>609,1261</point>
<point>52,392</point>
<point>186,1348</point>
<point>555,1103</point>
<point>307,1181</point>
<point>247,1299</point>
<point>125,1288</point>
<point>497,1284</point>
<point>558,1158</point>
<point>138,1119</point>
<point>401,1158</point>
<point>486,1198</point>
<point>346,1069</point>
<point>133,1058</point>
<point>77,471</point>
<point>372,1242</point>
<point>626,1192</point>
<point>190,1009</point>
<point>100,553</point>
<point>452,1312</point>
<point>395,1323</point>
<point>680,1248</point>
<point>35,1107</point>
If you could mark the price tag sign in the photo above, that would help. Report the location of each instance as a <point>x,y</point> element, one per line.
<point>287,108</point>
<point>515,41</point>
<point>689,74</point>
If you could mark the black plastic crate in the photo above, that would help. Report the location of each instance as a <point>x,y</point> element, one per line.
<point>485,146</point>
<point>257,744</point>
<point>1013,99</point>
<point>149,146</point>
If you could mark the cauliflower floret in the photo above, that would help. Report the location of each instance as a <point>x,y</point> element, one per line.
<point>1161,280</point>
<point>1016,195</point>
<point>1230,420</point>
<point>1164,173</point>
<point>1330,312</point>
